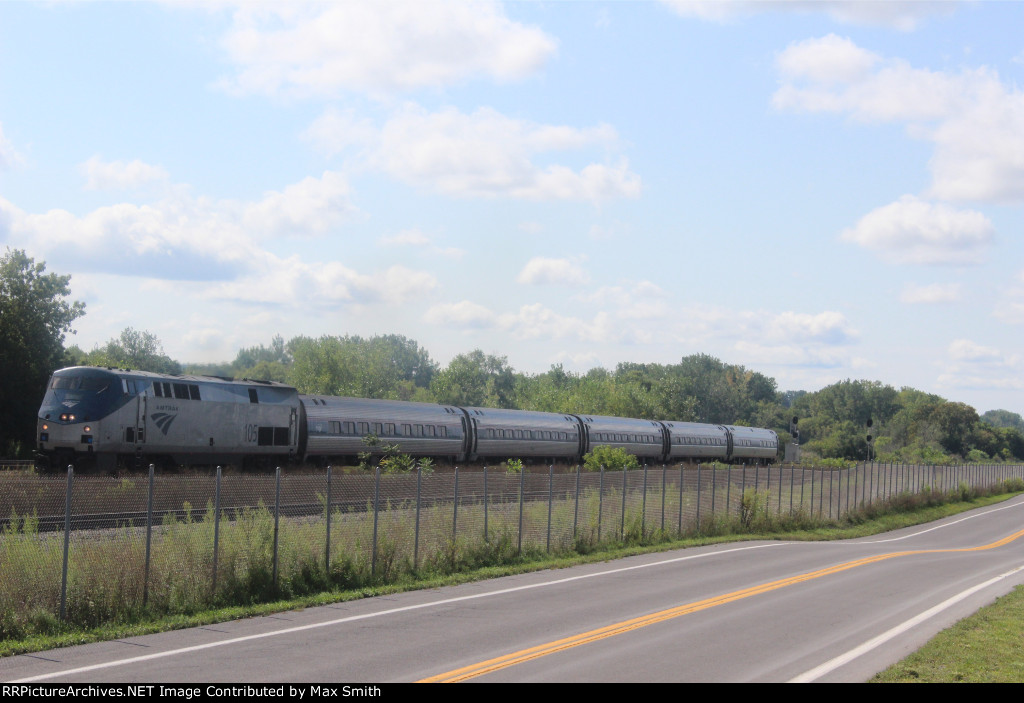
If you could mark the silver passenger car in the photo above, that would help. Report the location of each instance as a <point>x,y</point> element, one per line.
<point>336,427</point>
<point>643,438</point>
<point>753,443</point>
<point>523,434</point>
<point>692,440</point>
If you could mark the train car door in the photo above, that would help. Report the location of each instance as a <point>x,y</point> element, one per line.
<point>140,418</point>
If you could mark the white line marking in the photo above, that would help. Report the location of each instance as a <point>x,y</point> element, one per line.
<point>832,664</point>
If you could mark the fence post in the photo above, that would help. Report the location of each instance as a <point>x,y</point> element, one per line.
<point>714,484</point>
<point>551,476</point>
<point>277,517</point>
<point>149,540</point>
<point>327,547</point>
<point>67,546</point>
<point>832,475</point>
<point>455,508</point>
<point>643,506</point>
<point>522,489</point>
<point>216,531</point>
<point>792,484</point>
<point>376,513</point>
<point>416,541</point>
<point>600,503</point>
<point>728,490</point>
<point>622,515</point>
<point>698,497</point>
<point>663,485</point>
<point>681,474</point>
<point>486,535</point>
<point>576,505</point>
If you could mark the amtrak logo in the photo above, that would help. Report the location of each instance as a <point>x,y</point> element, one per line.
<point>70,403</point>
<point>163,421</point>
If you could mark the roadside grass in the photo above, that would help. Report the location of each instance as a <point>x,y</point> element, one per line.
<point>987,647</point>
<point>459,561</point>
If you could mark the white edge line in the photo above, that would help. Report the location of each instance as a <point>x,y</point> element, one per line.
<point>832,664</point>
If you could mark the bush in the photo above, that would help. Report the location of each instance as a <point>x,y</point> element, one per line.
<point>611,458</point>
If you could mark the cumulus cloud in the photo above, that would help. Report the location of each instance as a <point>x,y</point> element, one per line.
<point>180,237</point>
<point>283,281</point>
<point>827,328</point>
<point>974,120</point>
<point>931,294</point>
<point>377,48</point>
<point>483,154</point>
<point>539,322</point>
<point>918,232</point>
<point>464,314</point>
<point>120,175</point>
<point>976,366</point>
<point>903,15</point>
<point>754,352</point>
<point>543,271</point>
<point>966,350</point>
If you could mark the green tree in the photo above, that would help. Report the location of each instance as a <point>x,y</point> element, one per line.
<point>476,379</point>
<point>35,315</point>
<point>134,350</point>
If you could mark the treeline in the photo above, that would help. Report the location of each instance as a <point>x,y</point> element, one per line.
<point>907,424</point>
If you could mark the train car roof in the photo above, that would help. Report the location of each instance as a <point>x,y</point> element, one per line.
<point>177,378</point>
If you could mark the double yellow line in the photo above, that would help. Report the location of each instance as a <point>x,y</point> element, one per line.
<point>524,655</point>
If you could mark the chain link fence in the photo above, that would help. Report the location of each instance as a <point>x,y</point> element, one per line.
<point>93,549</point>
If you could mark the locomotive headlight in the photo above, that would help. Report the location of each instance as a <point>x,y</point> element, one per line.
<point>45,426</point>
<point>88,429</point>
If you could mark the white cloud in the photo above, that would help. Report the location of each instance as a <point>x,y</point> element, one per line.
<point>464,314</point>
<point>828,60</point>
<point>935,293</point>
<point>896,14</point>
<point>975,122</point>
<point>377,47</point>
<point>180,237</point>
<point>8,156</point>
<point>416,238</point>
<point>407,237</point>
<point>917,232</point>
<point>543,271</point>
<point>828,328</point>
<point>276,281</point>
<point>533,321</point>
<point>966,350</point>
<point>311,206</point>
<point>538,322</point>
<point>483,154</point>
<point>792,355</point>
<point>120,175</point>
<point>979,367</point>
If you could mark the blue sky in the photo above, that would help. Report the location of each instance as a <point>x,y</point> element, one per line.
<point>814,190</point>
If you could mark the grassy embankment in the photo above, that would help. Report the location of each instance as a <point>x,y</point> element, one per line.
<point>462,563</point>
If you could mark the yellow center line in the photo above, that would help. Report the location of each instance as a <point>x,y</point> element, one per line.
<point>523,655</point>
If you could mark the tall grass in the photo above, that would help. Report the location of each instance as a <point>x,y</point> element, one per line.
<point>107,575</point>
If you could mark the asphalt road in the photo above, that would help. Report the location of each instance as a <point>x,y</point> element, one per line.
<point>753,611</point>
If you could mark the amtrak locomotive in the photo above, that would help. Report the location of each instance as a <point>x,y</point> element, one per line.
<point>101,415</point>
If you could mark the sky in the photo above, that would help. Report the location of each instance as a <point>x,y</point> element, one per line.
<point>817,191</point>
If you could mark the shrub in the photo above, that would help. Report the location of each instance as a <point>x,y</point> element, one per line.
<point>611,458</point>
